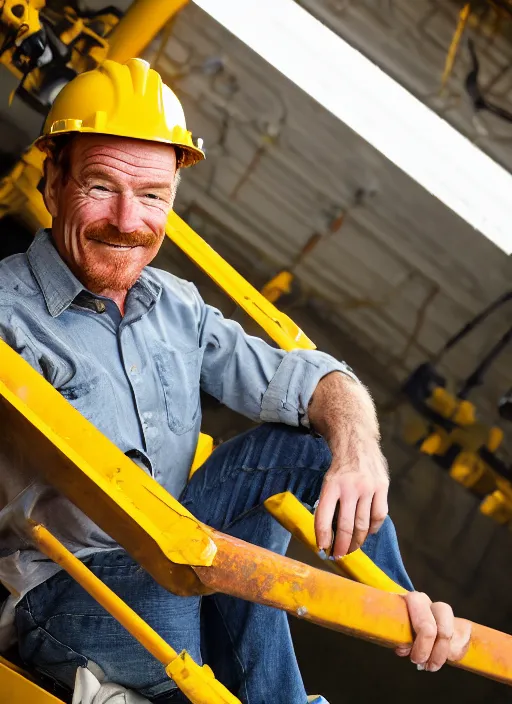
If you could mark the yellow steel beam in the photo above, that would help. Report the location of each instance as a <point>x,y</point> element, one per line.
<point>141,23</point>
<point>195,681</point>
<point>252,573</point>
<point>455,43</point>
<point>12,666</point>
<point>277,325</point>
<point>17,688</point>
<point>295,517</point>
<point>139,629</point>
<point>47,436</point>
<point>136,29</point>
<point>19,194</point>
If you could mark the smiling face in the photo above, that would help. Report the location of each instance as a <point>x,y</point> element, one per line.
<point>109,202</point>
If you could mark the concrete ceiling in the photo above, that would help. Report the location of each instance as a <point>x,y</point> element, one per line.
<point>403,272</point>
<point>410,41</point>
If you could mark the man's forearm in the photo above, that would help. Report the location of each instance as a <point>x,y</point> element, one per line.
<point>343,412</point>
<point>340,407</point>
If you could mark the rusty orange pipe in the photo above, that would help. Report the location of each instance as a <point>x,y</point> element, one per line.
<point>252,573</point>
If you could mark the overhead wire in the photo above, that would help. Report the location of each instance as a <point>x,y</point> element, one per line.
<point>455,44</point>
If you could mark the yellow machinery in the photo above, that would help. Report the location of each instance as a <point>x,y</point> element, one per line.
<point>45,49</point>
<point>447,427</point>
<point>45,46</point>
<point>185,556</point>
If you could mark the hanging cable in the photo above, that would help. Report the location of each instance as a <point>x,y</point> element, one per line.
<point>478,99</point>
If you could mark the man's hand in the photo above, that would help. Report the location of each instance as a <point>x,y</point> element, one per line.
<point>343,412</point>
<point>439,636</point>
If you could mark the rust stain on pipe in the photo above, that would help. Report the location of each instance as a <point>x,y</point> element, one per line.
<point>258,575</point>
<point>252,573</point>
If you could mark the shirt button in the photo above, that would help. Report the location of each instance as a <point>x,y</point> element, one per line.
<point>151,432</point>
<point>100,306</point>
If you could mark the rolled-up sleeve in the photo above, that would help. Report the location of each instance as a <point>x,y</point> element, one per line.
<point>287,397</point>
<point>256,379</point>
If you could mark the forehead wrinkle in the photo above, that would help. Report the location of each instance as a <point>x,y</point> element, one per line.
<point>118,163</point>
<point>140,173</point>
<point>126,156</point>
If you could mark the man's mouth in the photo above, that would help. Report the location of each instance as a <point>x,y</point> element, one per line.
<point>117,246</point>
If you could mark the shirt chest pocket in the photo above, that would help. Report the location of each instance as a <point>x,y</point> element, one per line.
<point>179,375</point>
<point>92,394</point>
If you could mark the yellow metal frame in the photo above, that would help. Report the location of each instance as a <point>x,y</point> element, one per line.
<point>20,689</point>
<point>141,23</point>
<point>128,39</point>
<point>51,438</point>
<point>276,324</point>
<point>97,477</point>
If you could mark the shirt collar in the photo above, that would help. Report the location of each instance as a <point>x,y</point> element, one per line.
<point>60,286</point>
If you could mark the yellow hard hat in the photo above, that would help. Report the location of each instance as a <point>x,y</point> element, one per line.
<point>125,100</point>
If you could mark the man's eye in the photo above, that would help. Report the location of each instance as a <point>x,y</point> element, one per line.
<point>100,188</point>
<point>152,196</point>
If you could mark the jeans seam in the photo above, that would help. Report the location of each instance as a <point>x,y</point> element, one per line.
<point>106,617</point>
<point>29,608</point>
<point>63,645</point>
<point>244,515</point>
<point>46,632</point>
<point>235,652</point>
<point>82,660</point>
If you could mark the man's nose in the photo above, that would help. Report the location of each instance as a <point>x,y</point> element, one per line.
<point>128,216</point>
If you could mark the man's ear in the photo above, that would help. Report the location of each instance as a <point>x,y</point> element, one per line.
<point>176,182</point>
<point>52,180</point>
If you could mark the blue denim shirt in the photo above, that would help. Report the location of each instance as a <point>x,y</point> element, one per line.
<point>137,378</point>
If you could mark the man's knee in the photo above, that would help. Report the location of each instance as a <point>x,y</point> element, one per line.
<point>243,472</point>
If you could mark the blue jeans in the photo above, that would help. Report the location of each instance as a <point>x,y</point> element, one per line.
<point>249,647</point>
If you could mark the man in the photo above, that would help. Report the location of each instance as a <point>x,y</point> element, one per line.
<point>130,347</point>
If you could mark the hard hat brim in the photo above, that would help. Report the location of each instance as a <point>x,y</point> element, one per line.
<point>189,156</point>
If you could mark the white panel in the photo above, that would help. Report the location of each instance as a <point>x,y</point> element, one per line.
<point>375,106</point>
